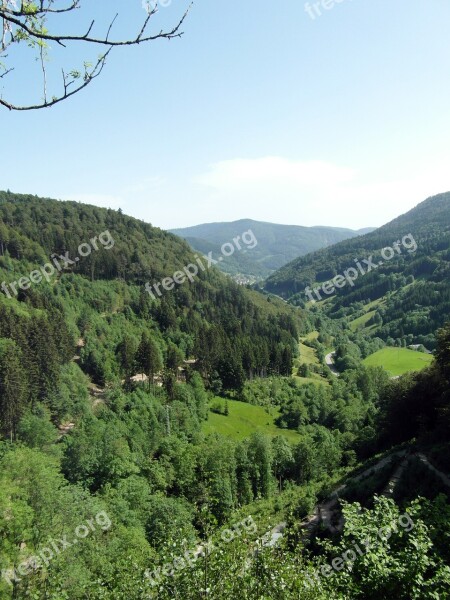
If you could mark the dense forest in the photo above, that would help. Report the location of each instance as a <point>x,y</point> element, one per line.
<point>412,289</point>
<point>102,299</point>
<point>110,487</point>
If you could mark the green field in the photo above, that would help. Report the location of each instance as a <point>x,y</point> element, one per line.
<point>313,335</point>
<point>315,379</point>
<point>398,361</point>
<point>361,322</point>
<point>370,311</point>
<point>307,355</point>
<point>243,420</point>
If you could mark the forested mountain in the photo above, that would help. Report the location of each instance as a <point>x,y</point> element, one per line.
<point>277,244</point>
<point>410,289</point>
<point>110,487</point>
<point>107,305</point>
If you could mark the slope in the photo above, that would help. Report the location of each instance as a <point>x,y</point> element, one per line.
<point>408,284</point>
<point>97,294</point>
<point>277,244</point>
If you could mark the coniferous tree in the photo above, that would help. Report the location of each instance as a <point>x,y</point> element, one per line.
<point>13,379</point>
<point>286,362</point>
<point>126,351</point>
<point>174,359</point>
<point>443,351</point>
<point>148,357</point>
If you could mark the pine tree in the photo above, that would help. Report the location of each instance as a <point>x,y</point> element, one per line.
<point>286,362</point>
<point>126,351</point>
<point>149,357</point>
<point>169,382</point>
<point>12,386</point>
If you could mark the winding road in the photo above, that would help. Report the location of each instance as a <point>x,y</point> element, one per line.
<point>329,359</point>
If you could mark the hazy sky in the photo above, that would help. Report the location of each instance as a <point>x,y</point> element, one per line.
<point>258,111</point>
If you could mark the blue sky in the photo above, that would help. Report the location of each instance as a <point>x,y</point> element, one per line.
<point>258,111</point>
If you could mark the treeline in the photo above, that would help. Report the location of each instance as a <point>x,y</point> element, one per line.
<point>225,335</point>
<point>428,223</point>
<point>39,334</point>
<point>35,228</point>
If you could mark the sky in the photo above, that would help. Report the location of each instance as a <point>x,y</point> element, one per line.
<point>271,111</point>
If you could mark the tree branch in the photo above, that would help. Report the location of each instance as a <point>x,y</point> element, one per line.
<point>88,78</point>
<point>39,35</point>
<point>28,24</point>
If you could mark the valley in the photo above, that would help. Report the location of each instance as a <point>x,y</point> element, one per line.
<point>178,414</point>
<point>224,300</point>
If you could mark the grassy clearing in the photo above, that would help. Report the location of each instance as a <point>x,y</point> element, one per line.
<point>370,310</point>
<point>397,361</point>
<point>244,419</point>
<point>375,304</point>
<point>361,322</point>
<point>313,335</point>
<point>307,355</point>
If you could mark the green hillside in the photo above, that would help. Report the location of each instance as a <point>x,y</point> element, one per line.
<point>101,298</point>
<point>398,361</point>
<point>277,244</point>
<point>106,419</point>
<point>410,280</point>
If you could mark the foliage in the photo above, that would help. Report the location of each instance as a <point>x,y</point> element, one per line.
<point>168,472</point>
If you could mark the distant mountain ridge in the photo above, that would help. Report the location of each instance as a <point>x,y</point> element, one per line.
<point>277,244</point>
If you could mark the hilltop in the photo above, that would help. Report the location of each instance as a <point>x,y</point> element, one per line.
<point>277,244</point>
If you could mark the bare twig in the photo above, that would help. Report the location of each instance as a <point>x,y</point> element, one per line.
<point>44,72</point>
<point>88,78</point>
